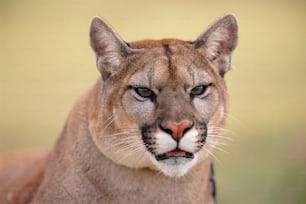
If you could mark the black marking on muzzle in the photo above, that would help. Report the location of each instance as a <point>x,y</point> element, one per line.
<point>203,132</point>
<point>146,132</point>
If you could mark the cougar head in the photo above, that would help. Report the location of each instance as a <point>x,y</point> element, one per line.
<point>162,102</point>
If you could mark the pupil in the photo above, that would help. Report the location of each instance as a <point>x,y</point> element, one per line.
<point>144,92</point>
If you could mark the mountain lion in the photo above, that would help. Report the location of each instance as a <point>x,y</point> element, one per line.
<point>143,133</point>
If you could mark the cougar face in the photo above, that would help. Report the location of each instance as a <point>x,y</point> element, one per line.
<point>162,100</point>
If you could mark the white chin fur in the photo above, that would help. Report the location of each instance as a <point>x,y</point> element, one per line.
<point>175,166</point>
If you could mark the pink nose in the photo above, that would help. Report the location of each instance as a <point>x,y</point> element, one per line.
<point>177,131</point>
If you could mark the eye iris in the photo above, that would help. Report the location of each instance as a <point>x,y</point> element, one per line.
<point>198,90</point>
<point>144,92</point>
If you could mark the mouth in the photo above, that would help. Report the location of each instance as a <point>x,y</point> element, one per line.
<point>173,154</point>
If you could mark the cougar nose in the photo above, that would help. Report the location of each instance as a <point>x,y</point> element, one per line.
<point>177,130</point>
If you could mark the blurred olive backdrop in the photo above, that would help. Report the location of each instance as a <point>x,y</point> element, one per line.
<point>46,63</point>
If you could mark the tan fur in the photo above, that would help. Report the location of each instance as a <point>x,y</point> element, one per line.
<point>115,147</point>
<point>20,175</point>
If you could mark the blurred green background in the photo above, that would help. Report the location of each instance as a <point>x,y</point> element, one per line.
<point>46,63</point>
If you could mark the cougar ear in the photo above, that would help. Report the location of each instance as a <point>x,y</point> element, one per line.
<point>110,49</point>
<point>219,41</point>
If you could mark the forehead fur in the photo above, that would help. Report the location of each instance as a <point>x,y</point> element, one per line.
<point>155,43</point>
<point>162,61</point>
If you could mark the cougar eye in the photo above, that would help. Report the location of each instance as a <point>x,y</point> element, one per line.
<point>144,92</point>
<point>199,90</point>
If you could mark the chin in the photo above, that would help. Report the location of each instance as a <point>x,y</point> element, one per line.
<point>175,166</point>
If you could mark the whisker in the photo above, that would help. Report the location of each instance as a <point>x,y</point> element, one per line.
<point>135,151</point>
<point>220,130</point>
<point>120,133</point>
<point>130,149</point>
<point>122,144</point>
<point>218,148</point>
<point>140,158</point>
<point>124,141</point>
<point>109,123</point>
<point>217,143</point>
<point>234,118</point>
<point>130,129</point>
<point>228,132</point>
<point>220,136</point>
<point>215,128</point>
<point>210,153</point>
<point>108,119</point>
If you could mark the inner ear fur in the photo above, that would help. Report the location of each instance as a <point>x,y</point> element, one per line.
<point>110,49</point>
<point>219,41</point>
